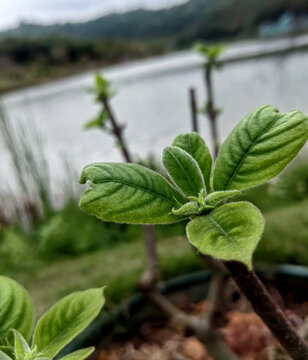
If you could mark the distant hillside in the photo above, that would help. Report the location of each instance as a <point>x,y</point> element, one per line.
<point>208,19</point>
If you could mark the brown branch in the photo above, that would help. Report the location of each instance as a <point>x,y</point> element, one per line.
<point>265,306</point>
<point>216,313</point>
<point>150,278</point>
<point>193,110</point>
<point>211,110</point>
<point>211,338</point>
<point>148,282</point>
<point>117,131</point>
<point>217,310</point>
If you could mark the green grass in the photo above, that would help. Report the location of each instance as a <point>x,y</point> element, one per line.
<point>118,268</point>
<point>285,237</point>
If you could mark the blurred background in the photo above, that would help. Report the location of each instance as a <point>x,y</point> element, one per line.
<point>51,126</point>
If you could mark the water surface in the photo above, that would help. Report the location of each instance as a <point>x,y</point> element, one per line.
<point>152,100</point>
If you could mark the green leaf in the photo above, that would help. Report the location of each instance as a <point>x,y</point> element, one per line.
<point>3,356</point>
<point>102,88</point>
<point>211,52</point>
<point>16,308</point>
<point>8,350</point>
<point>79,354</point>
<point>21,347</point>
<point>99,121</point>
<point>128,193</point>
<point>259,148</point>
<point>189,208</point>
<point>183,170</point>
<point>196,147</point>
<point>217,197</point>
<point>230,232</point>
<point>65,320</point>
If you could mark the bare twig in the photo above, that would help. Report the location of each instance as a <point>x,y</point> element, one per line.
<point>201,328</point>
<point>149,281</point>
<point>211,109</point>
<point>150,278</point>
<point>193,110</point>
<point>117,131</point>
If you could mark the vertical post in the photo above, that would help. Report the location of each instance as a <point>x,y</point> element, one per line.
<point>193,110</point>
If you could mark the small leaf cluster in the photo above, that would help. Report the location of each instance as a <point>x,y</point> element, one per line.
<point>103,92</point>
<point>257,150</point>
<point>206,109</point>
<point>210,52</point>
<point>102,89</point>
<point>21,340</point>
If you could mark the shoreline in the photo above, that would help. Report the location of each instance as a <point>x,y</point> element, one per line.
<point>242,50</point>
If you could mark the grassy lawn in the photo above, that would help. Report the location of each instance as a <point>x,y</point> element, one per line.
<point>285,241</point>
<point>285,238</point>
<point>118,268</point>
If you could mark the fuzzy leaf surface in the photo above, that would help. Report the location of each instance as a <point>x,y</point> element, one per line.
<point>8,350</point>
<point>16,308</point>
<point>183,170</point>
<point>217,197</point>
<point>189,208</point>
<point>66,319</point>
<point>128,193</point>
<point>79,354</point>
<point>259,148</point>
<point>230,232</point>
<point>195,146</point>
<point>3,356</point>
<point>21,347</point>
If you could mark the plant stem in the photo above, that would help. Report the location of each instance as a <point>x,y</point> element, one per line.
<point>117,131</point>
<point>149,281</point>
<point>193,110</point>
<point>265,306</point>
<point>211,338</point>
<point>150,278</point>
<point>217,306</point>
<point>211,110</point>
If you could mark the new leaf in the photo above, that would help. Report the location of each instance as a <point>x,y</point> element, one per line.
<point>16,309</point>
<point>79,354</point>
<point>196,147</point>
<point>230,232</point>
<point>65,320</point>
<point>183,170</point>
<point>259,148</point>
<point>128,193</point>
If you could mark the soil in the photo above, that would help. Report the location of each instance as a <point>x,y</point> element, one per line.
<point>244,332</point>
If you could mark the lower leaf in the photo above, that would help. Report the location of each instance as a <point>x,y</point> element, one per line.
<point>79,354</point>
<point>65,320</point>
<point>230,232</point>
<point>128,193</point>
<point>3,356</point>
<point>16,309</point>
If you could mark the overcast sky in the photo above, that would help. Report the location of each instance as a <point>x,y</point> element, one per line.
<point>49,11</point>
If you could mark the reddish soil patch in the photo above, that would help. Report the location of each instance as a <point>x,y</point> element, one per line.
<point>245,333</point>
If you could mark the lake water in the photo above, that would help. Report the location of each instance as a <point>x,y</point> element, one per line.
<point>152,100</point>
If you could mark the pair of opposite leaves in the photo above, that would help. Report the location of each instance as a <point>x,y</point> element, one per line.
<point>257,150</point>
<point>20,340</point>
